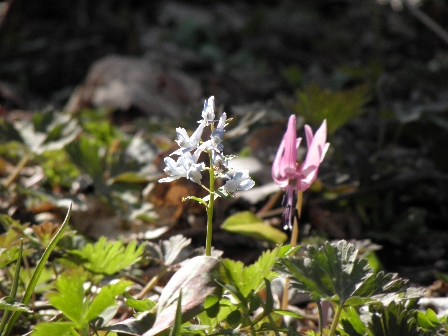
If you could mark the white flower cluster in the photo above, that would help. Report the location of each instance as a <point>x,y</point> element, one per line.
<point>191,148</point>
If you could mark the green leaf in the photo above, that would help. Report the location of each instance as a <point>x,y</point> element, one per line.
<point>316,104</point>
<point>426,319</point>
<point>85,153</point>
<point>269,298</point>
<point>55,328</point>
<point>69,298</point>
<point>234,318</point>
<point>287,250</point>
<point>8,255</point>
<point>394,319</point>
<point>211,305</point>
<point>139,305</point>
<point>8,303</point>
<point>108,257</point>
<point>105,298</point>
<point>288,313</point>
<point>243,279</point>
<point>333,272</point>
<point>246,223</point>
<point>352,323</point>
<point>8,131</point>
<point>10,241</point>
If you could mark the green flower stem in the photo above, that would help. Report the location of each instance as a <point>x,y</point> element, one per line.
<point>335,321</point>
<point>211,201</point>
<point>294,239</point>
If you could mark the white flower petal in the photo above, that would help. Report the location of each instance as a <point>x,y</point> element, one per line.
<point>208,112</point>
<point>240,181</point>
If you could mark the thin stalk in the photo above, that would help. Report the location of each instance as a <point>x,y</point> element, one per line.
<point>294,239</point>
<point>321,316</point>
<point>150,285</point>
<point>15,285</point>
<point>211,201</point>
<point>15,173</point>
<point>271,320</point>
<point>335,321</point>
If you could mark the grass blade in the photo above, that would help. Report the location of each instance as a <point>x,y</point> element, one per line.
<point>38,271</point>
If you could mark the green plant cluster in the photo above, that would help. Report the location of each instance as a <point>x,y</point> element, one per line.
<point>56,282</point>
<point>93,289</point>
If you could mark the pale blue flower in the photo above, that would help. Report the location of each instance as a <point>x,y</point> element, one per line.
<point>187,143</point>
<point>208,112</point>
<point>218,133</point>
<point>173,169</point>
<point>240,181</point>
<point>217,136</point>
<point>185,166</point>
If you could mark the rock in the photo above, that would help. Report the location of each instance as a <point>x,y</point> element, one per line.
<point>123,82</point>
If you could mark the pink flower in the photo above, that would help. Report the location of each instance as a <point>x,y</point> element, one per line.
<point>287,174</point>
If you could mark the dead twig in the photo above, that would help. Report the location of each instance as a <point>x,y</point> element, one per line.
<point>427,21</point>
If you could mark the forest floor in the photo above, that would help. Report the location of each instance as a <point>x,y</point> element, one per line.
<point>376,72</point>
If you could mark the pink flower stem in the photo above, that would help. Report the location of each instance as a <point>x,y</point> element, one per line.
<point>294,239</point>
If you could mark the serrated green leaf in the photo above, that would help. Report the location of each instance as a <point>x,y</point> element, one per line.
<point>251,278</point>
<point>55,328</point>
<point>352,323</point>
<point>8,255</point>
<point>316,104</point>
<point>85,153</point>
<point>287,250</point>
<point>246,223</point>
<point>394,319</point>
<point>69,298</point>
<point>105,298</point>
<point>333,272</point>
<point>108,257</point>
